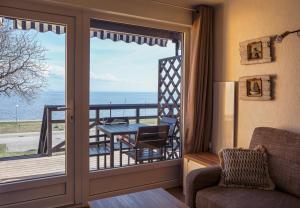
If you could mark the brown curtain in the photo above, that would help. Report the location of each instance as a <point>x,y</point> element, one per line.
<point>198,109</point>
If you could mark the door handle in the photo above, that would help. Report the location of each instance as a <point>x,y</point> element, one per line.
<point>64,108</point>
<point>69,109</point>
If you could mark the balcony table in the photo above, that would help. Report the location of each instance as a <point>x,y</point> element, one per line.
<point>111,130</point>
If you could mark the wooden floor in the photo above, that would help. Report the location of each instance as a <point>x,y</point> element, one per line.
<point>22,168</point>
<point>25,168</point>
<point>148,198</point>
<point>177,192</point>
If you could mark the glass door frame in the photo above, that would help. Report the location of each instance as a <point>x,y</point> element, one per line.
<point>81,182</point>
<point>56,190</point>
<point>99,181</point>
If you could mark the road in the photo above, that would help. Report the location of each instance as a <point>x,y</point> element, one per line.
<point>21,142</point>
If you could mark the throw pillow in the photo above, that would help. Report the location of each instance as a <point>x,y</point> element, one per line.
<point>245,168</point>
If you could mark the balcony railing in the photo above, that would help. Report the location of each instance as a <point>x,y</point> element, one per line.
<point>139,113</point>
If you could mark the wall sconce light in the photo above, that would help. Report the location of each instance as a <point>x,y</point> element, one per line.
<point>279,38</point>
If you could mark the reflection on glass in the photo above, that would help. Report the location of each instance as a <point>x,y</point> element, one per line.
<point>122,75</point>
<point>32,77</point>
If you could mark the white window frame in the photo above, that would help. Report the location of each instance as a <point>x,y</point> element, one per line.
<point>86,185</point>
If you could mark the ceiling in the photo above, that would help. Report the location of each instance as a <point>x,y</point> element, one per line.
<point>189,3</point>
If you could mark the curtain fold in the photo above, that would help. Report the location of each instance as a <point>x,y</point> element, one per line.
<point>198,108</point>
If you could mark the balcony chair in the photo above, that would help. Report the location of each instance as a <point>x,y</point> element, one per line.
<point>102,148</point>
<point>149,144</point>
<point>172,123</point>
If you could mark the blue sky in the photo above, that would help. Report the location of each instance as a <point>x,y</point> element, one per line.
<point>115,66</point>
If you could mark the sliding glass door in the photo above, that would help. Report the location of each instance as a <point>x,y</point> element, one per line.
<point>37,107</point>
<point>133,87</point>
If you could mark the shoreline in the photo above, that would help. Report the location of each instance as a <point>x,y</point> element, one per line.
<point>19,121</point>
<point>23,126</point>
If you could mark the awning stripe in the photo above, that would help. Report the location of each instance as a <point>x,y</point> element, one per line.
<point>22,24</point>
<point>38,26</point>
<point>128,38</point>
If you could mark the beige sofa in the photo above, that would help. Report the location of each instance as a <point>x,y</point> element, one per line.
<point>284,166</point>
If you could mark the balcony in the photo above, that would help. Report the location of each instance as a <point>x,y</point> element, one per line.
<point>51,161</point>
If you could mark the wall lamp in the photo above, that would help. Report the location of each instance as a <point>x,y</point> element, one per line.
<point>279,38</point>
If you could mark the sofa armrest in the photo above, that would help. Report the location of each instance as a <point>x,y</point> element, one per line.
<point>199,179</point>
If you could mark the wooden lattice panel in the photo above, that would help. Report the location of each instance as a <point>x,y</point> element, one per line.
<point>169,90</point>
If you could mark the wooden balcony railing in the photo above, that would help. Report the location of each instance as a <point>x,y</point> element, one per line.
<point>48,121</point>
<point>97,114</point>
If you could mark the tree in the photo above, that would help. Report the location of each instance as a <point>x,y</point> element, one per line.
<point>22,63</point>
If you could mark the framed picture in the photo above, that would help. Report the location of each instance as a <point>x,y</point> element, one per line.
<point>256,51</point>
<point>255,88</point>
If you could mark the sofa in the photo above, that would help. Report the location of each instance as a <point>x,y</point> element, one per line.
<point>283,147</point>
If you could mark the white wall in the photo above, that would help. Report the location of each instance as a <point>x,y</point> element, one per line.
<point>240,20</point>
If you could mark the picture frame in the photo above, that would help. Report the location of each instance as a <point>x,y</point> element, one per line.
<point>256,51</point>
<point>254,87</point>
<point>257,88</point>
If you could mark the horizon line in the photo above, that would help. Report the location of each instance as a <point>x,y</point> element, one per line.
<point>107,91</point>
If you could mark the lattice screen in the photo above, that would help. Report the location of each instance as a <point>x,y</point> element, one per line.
<point>169,90</point>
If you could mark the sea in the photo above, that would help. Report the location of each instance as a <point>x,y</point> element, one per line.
<point>17,109</point>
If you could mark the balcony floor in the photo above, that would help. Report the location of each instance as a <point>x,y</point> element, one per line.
<point>23,168</point>
<point>28,168</point>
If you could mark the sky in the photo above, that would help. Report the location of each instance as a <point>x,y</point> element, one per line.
<point>114,66</point>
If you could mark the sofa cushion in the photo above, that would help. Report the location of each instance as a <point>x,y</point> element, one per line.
<point>283,149</point>
<point>245,168</point>
<point>221,197</point>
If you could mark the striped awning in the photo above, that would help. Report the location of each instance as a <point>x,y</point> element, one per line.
<point>128,38</point>
<point>22,24</point>
<point>38,26</point>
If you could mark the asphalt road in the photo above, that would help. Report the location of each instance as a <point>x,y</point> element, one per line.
<point>21,142</point>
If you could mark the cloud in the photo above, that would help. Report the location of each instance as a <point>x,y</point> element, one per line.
<point>104,77</point>
<point>55,70</point>
<point>55,48</point>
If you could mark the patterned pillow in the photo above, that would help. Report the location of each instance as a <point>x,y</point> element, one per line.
<point>245,168</point>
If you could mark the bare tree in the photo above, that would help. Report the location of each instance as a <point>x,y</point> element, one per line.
<point>22,63</point>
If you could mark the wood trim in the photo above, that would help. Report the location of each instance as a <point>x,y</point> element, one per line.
<point>126,179</point>
<point>206,159</point>
<point>54,201</point>
<point>134,169</point>
<point>24,185</point>
<point>41,196</point>
<point>82,122</point>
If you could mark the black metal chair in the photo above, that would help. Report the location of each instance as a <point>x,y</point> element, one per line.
<point>148,145</point>
<point>172,123</point>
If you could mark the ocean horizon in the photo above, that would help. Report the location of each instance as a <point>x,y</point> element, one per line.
<point>14,108</point>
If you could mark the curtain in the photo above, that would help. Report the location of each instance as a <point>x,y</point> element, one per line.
<point>198,109</point>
